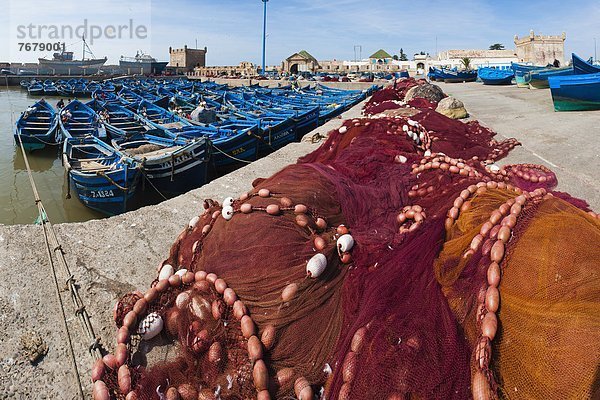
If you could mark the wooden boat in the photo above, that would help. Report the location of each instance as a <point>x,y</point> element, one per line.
<point>580,66</point>
<point>539,79</point>
<point>575,92</point>
<point>433,73</point>
<point>79,89</point>
<point>108,86</point>
<point>105,97</point>
<point>450,76</point>
<point>103,178</point>
<point>120,122</point>
<point>78,120</point>
<point>37,126</point>
<point>160,117</point>
<point>275,129</point>
<point>50,88</point>
<point>521,70</point>
<point>36,89</point>
<point>172,165</point>
<point>130,99</point>
<point>491,76</point>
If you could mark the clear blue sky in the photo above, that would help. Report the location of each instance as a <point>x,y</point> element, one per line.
<point>232,29</point>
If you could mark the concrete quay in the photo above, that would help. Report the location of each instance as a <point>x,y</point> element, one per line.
<point>565,142</point>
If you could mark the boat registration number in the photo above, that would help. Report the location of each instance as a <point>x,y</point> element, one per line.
<point>101,194</point>
<point>178,160</point>
<point>282,134</point>
<point>238,151</point>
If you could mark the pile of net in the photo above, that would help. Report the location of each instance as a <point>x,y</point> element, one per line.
<point>397,261</point>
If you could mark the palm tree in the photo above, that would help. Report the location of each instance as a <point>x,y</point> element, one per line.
<point>497,46</point>
<point>466,62</point>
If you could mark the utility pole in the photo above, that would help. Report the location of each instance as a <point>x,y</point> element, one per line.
<point>595,55</point>
<point>264,68</point>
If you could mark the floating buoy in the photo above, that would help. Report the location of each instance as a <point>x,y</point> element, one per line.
<point>150,326</point>
<point>316,265</point>
<point>227,212</point>
<point>165,272</point>
<point>228,202</point>
<point>182,299</point>
<point>194,221</point>
<point>493,167</point>
<point>345,243</point>
<point>343,130</point>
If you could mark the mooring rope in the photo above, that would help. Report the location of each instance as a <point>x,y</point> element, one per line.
<point>53,246</point>
<point>152,184</point>
<point>232,157</point>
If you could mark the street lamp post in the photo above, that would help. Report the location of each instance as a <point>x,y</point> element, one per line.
<point>264,69</point>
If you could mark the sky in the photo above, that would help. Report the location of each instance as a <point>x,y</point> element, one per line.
<point>232,29</point>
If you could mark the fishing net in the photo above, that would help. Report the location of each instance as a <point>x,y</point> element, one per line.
<point>373,269</point>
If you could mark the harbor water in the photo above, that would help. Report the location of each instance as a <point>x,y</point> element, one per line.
<point>17,205</point>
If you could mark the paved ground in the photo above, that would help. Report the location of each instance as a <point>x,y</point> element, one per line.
<point>114,256</point>
<point>566,142</point>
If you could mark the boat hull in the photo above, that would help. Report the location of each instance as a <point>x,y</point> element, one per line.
<point>235,150</point>
<point>100,194</point>
<point>38,129</point>
<point>276,137</point>
<point>102,178</point>
<point>31,143</point>
<point>581,67</point>
<point>172,171</point>
<point>576,93</point>
<point>499,81</point>
<point>306,123</point>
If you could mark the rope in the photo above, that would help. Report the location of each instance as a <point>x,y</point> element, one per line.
<point>152,184</point>
<point>51,241</point>
<point>232,157</point>
<point>111,180</point>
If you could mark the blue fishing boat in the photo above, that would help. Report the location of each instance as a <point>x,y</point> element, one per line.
<point>65,89</point>
<point>105,97</point>
<point>539,79</point>
<point>78,88</point>
<point>120,122</point>
<point>275,129</point>
<point>36,89</point>
<point>50,88</point>
<point>580,66</point>
<point>171,165</point>
<point>103,178</point>
<point>108,86</point>
<point>491,76</point>
<point>160,117</point>
<point>92,87</point>
<point>575,92</point>
<point>433,73</point>
<point>451,76</point>
<point>37,126</point>
<point>521,70</point>
<point>130,99</point>
<point>78,120</point>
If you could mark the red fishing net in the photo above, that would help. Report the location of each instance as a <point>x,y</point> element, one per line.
<point>373,269</point>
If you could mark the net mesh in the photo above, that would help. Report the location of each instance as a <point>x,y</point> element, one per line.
<point>398,315</point>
